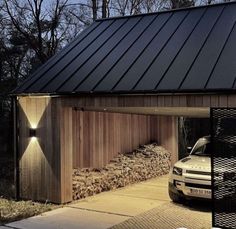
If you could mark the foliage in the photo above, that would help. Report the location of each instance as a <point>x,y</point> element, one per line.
<point>11,210</point>
<point>7,187</point>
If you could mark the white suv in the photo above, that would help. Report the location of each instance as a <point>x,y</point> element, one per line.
<point>191,176</point>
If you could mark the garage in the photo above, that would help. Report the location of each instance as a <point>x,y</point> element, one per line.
<point>123,82</point>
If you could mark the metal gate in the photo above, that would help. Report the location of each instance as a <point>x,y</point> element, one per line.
<point>223,139</point>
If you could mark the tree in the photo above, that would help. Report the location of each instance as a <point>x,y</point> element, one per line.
<point>105,7</point>
<point>175,4</point>
<point>132,7</point>
<point>46,27</point>
<point>95,9</point>
<point>31,31</point>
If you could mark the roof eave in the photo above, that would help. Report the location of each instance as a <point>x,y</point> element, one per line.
<point>132,93</point>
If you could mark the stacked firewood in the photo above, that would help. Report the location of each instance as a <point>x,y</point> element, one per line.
<point>146,162</point>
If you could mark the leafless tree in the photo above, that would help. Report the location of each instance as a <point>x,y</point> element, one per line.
<point>94,9</point>
<point>45,26</point>
<point>175,4</point>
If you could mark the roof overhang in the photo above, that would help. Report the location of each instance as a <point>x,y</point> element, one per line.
<point>193,112</point>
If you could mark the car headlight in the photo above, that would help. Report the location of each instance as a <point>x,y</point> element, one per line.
<point>177,171</point>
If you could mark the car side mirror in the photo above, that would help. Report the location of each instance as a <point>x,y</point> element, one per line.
<point>189,148</point>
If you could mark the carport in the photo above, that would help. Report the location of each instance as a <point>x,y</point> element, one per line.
<point>129,78</point>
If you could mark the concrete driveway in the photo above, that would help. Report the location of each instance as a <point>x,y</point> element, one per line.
<point>120,207</point>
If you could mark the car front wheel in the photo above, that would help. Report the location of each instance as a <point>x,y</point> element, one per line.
<point>175,197</point>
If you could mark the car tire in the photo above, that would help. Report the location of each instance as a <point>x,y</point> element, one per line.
<point>175,197</point>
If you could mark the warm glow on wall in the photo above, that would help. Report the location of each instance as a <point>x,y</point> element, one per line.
<point>33,125</point>
<point>33,139</point>
<point>34,110</point>
<point>33,154</point>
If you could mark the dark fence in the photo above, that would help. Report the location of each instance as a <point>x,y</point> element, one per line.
<point>223,133</point>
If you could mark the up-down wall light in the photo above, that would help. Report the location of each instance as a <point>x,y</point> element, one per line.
<point>32,132</point>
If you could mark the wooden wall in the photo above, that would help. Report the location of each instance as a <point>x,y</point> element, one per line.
<point>99,136</point>
<point>45,161</point>
<point>166,130</point>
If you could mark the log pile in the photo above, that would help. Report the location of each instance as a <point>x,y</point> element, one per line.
<point>146,162</point>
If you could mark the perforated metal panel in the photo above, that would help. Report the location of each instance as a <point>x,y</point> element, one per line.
<point>223,138</point>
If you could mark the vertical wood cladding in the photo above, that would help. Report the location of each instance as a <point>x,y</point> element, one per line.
<point>184,100</point>
<point>99,136</point>
<point>45,161</point>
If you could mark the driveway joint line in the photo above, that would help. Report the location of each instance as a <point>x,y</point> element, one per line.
<point>137,197</point>
<point>92,210</point>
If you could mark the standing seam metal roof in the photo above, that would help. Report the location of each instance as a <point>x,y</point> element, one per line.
<point>191,49</point>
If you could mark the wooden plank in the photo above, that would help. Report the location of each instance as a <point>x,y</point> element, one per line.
<point>182,100</point>
<point>55,192</point>
<point>40,163</point>
<point>206,101</point>
<point>176,101</point>
<point>66,155</point>
<point>86,135</point>
<point>168,101</point>
<point>76,124</point>
<point>191,101</point>
<point>24,142</point>
<point>80,135</point>
<point>199,101</point>
<point>223,101</point>
<point>214,101</point>
<point>231,101</point>
<point>49,146</point>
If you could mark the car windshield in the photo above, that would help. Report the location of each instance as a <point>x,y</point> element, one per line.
<point>201,150</point>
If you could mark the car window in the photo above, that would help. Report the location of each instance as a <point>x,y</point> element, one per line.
<point>202,150</point>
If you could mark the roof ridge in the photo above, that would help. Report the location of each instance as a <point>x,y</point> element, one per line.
<point>167,11</point>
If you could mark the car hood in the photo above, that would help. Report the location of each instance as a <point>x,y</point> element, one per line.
<point>192,162</point>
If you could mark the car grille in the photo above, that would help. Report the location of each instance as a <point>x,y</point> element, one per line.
<point>191,185</point>
<point>198,172</point>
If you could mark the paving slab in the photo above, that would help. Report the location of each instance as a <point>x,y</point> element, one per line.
<point>124,205</point>
<point>69,218</point>
<point>131,200</point>
<point>153,190</point>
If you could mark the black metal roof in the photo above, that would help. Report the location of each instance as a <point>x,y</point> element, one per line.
<point>192,49</point>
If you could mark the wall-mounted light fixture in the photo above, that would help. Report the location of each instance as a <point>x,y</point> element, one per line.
<point>32,132</point>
